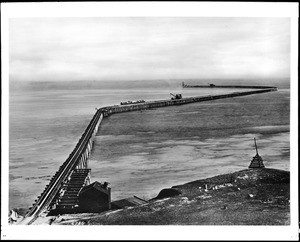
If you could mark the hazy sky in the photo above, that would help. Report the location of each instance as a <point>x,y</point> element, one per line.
<point>44,49</point>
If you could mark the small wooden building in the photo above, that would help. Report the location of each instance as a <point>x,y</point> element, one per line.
<point>95,197</point>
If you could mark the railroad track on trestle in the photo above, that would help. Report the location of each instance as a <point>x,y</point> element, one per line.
<point>59,179</point>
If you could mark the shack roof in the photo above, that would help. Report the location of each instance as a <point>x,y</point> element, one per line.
<point>128,202</point>
<point>95,186</point>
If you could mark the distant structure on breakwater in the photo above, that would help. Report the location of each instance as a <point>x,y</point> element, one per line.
<point>227,86</point>
<point>70,190</point>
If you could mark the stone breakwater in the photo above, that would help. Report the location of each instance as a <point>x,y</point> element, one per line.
<point>227,86</point>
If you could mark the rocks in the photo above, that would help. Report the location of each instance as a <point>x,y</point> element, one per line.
<point>161,201</point>
<point>80,223</point>
<point>244,177</point>
<point>269,200</point>
<point>168,192</point>
<point>185,200</point>
<point>204,197</point>
<point>14,217</point>
<point>224,207</point>
<point>58,219</point>
<point>51,220</point>
<point>207,187</point>
<point>216,187</point>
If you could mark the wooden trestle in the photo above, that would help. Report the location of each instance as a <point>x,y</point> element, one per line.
<point>67,200</point>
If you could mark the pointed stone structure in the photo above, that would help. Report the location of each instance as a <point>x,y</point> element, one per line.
<point>257,161</point>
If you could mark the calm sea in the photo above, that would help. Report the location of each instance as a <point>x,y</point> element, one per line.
<point>140,153</point>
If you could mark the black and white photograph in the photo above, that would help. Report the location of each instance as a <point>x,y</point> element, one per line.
<point>171,120</point>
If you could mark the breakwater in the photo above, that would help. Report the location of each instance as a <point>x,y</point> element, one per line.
<point>227,86</point>
<point>79,155</point>
<point>163,103</point>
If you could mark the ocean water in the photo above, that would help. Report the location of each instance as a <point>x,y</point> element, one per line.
<point>140,153</point>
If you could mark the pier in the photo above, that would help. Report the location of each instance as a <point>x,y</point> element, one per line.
<point>63,189</point>
<point>163,103</point>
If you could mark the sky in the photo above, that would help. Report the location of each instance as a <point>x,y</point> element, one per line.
<point>66,49</point>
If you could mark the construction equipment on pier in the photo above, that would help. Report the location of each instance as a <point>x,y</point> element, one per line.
<point>176,96</point>
<point>257,161</point>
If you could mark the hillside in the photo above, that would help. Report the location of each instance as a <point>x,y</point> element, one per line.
<point>246,197</point>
